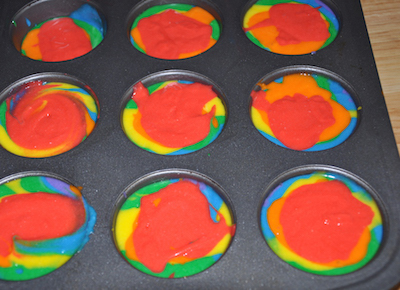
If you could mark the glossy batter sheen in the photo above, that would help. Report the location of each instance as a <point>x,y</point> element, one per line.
<point>173,117</point>
<point>323,223</point>
<point>304,112</point>
<point>46,119</point>
<point>173,228</point>
<point>43,223</point>
<point>174,31</point>
<point>64,38</point>
<point>290,27</point>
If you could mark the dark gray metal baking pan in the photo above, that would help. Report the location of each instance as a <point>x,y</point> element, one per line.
<point>240,160</point>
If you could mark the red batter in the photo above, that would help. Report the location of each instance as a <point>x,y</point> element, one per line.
<point>47,121</point>
<point>173,116</point>
<point>61,39</point>
<point>323,222</point>
<point>295,23</point>
<point>168,34</point>
<point>296,121</point>
<point>175,222</point>
<point>37,216</point>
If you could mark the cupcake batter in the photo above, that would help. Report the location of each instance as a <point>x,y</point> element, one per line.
<point>304,112</point>
<point>290,27</point>
<point>323,223</point>
<point>46,119</point>
<point>174,31</point>
<point>64,38</point>
<point>195,225</point>
<point>43,223</point>
<point>174,117</point>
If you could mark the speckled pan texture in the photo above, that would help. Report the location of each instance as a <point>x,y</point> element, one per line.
<point>245,158</point>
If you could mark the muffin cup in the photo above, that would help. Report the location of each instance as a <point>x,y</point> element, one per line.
<point>331,15</point>
<point>32,255</point>
<point>366,199</point>
<point>143,8</point>
<point>333,88</point>
<point>81,97</point>
<point>39,11</point>
<point>190,262</point>
<point>131,117</point>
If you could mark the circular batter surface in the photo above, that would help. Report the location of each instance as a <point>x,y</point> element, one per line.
<point>173,228</point>
<point>43,119</point>
<point>64,38</point>
<point>290,27</point>
<point>304,111</point>
<point>174,31</point>
<point>323,223</point>
<point>44,221</point>
<point>173,117</point>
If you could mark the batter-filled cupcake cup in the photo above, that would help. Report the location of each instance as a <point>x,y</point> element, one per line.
<point>173,223</point>
<point>46,114</point>
<point>44,221</point>
<point>173,112</point>
<point>175,30</point>
<point>304,108</point>
<point>322,220</point>
<point>54,31</point>
<point>290,27</point>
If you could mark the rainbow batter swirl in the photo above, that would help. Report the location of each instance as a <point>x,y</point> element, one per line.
<point>64,38</point>
<point>290,27</point>
<point>173,228</point>
<point>44,119</point>
<point>305,112</point>
<point>322,223</point>
<point>174,31</point>
<point>43,223</point>
<point>173,117</point>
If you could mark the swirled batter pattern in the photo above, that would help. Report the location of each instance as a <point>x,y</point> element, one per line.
<point>174,31</point>
<point>173,228</point>
<point>45,119</point>
<point>64,38</point>
<point>323,223</point>
<point>43,223</point>
<point>173,117</point>
<point>305,112</point>
<point>290,27</point>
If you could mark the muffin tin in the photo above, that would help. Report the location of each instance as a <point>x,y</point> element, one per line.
<point>240,160</point>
